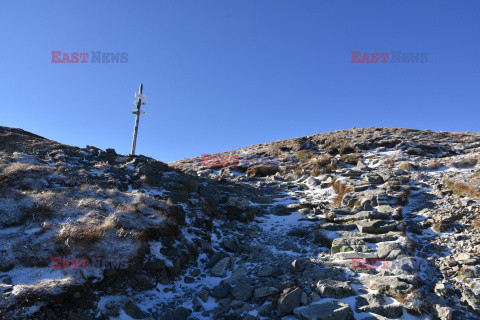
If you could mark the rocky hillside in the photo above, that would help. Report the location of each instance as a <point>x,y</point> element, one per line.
<point>375,223</point>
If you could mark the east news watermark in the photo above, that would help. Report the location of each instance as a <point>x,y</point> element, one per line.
<point>89,57</point>
<point>389,57</point>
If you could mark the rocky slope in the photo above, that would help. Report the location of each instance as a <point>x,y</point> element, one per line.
<point>375,223</point>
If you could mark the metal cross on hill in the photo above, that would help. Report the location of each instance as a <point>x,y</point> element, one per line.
<point>138,102</point>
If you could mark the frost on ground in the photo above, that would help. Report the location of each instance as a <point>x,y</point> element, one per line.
<point>374,223</point>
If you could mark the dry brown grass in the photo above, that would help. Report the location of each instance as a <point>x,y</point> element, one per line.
<point>192,185</point>
<point>262,171</point>
<point>476,224</point>
<point>461,188</point>
<point>339,143</point>
<point>389,162</point>
<point>465,162</point>
<point>405,166</point>
<point>324,161</point>
<point>351,158</point>
<point>18,167</point>
<point>80,233</point>
<point>303,155</point>
<point>340,189</point>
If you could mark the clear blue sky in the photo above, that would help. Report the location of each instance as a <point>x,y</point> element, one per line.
<point>220,75</point>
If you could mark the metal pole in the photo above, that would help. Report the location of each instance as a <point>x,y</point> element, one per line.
<point>137,119</point>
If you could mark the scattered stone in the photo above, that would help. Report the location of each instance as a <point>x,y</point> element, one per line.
<point>220,269</point>
<point>180,313</point>
<point>325,311</point>
<point>203,294</point>
<point>242,291</point>
<point>296,266</point>
<point>265,271</point>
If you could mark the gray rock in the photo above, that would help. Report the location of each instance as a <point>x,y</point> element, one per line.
<point>384,209</point>
<point>197,305</point>
<point>230,244</point>
<point>242,291</point>
<point>371,238</point>
<point>334,289</point>
<point>265,271</point>
<point>389,311</point>
<point>391,286</point>
<point>237,202</point>
<point>376,226</point>
<point>337,227</point>
<point>296,266</point>
<point>369,299</point>
<point>352,173</point>
<point>304,299</point>
<point>134,311</point>
<point>374,178</point>
<point>239,272</point>
<point>374,303</point>
<point>347,245</point>
<point>289,300</point>
<point>383,199</point>
<point>349,199</point>
<point>333,310</point>
<point>363,215</point>
<point>216,257</point>
<point>264,292</point>
<point>219,292</point>
<point>389,250</point>
<point>203,294</point>
<point>220,269</point>
<point>472,299</point>
<point>180,313</point>
<point>443,313</point>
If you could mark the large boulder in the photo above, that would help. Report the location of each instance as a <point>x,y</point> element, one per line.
<point>390,250</point>
<point>334,289</point>
<point>391,286</point>
<point>375,303</point>
<point>289,300</point>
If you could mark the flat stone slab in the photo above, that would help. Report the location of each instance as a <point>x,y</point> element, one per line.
<point>363,215</point>
<point>337,226</point>
<point>353,255</point>
<point>325,311</point>
<point>370,238</point>
<point>376,226</point>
